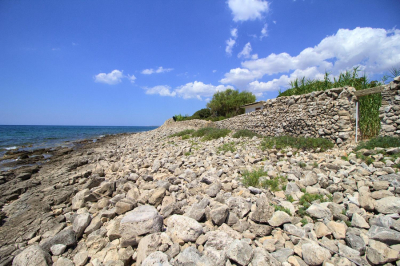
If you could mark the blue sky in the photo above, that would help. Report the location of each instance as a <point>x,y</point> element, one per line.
<point>141,62</point>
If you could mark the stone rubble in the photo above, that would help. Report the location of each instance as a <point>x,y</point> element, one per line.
<point>147,199</point>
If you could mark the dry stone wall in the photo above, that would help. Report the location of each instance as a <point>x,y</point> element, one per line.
<point>328,114</point>
<point>389,112</point>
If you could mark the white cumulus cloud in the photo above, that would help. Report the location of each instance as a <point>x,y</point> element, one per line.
<point>191,90</point>
<point>246,52</point>
<point>243,10</point>
<point>229,46</point>
<point>150,71</point>
<point>198,90</point>
<point>112,78</point>
<point>374,50</point>
<point>234,33</point>
<point>264,31</point>
<point>162,90</point>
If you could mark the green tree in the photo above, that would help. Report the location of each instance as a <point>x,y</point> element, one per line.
<point>202,113</point>
<point>227,103</point>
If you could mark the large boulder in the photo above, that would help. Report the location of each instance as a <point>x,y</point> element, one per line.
<point>385,235</point>
<point>156,258</point>
<point>33,255</point>
<point>388,205</point>
<point>240,252</point>
<point>141,221</point>
<point>239,205</point>
<point>184,227</point>
<point>313,254</point>
<point>66,237</point>
<point>80,223</point>
<point>263,211</point>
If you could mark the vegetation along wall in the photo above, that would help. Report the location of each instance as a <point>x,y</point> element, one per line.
<point>328,114</point>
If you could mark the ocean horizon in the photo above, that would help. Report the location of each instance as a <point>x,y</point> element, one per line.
<point>30,137</point>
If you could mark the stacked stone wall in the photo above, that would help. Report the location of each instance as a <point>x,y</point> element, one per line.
<point>328,114</point>
<point>389,113</point>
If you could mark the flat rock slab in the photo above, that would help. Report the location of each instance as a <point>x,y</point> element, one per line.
<point>385,235</point>
<point>142,220</point>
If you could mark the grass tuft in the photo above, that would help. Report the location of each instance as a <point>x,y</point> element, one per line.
<point>182,133</point>
<point>296,142</point>
<point>245,133</point>
<point>283,209</point>
<point>227,147</point>
<point>275,184</point>
<point>382,142</point>
<point>253,178</point>
<point>209,133</point>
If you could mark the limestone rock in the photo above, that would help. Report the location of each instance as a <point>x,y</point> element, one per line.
<point>184,228</point>
<point>388,205</point>
<point>33,255</point>
<point>385,235</point>
<point>80,223</point>
<point>240,252</point>
<point>219,214</point>
<point>279,218</point>
<point>318,211</point>
<point>313,254</point>
<point>263,211</point>
<point>63,262</point>
<point>142,220</point>
<point>156,258</point>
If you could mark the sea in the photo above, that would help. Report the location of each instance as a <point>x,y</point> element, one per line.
<point>36,137</point>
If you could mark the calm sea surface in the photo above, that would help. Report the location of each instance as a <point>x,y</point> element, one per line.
<point>33,137</point>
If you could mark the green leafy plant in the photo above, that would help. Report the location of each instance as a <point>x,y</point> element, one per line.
<point>209,133</point>
<point>245,133</point>
<point>275,184</point>
<point>296,142</point>
<point>304,221</point>
<point>182,133</point>
<point>382,142</point>
<point>188,153</point>
<point>227,147</point>
<point>302,164</point>
<point>252,178</point>
<point>289,198</point>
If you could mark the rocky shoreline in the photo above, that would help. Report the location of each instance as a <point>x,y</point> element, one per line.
<point>147,199</point>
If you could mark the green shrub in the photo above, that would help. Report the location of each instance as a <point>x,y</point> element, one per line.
<point>290,198</point>
<point>308,198</point>
<point>275,184</point>
<point>245,133</point>
<point>382,142</point>
<point>296,142</point>
<point>304,221</point>
<point>209,133</point>
<point>302,164</point>
<point>202,113</point>
<point>253,178</point>
<point>227,147</point>
<point>186,137</point>
<point>182,133</point>
<point>181,117</point>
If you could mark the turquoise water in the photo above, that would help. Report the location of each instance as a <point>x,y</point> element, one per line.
<point>34,137</point>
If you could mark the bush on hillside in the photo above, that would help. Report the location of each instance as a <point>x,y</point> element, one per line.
<point>245,133</point>
<point>227,103</point>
